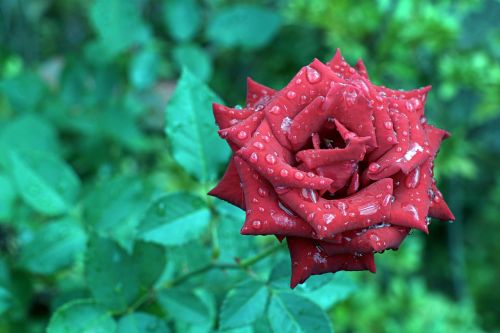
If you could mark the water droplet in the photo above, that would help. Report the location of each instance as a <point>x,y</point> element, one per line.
<point>369,208</point>
<point>283,173</point>
<point>262,192</point>
<point>242,135</point>
<point>412,179</point>
<point>342,206</point>
<point>374,238</point>
<point>312,75</point>
<point>389,139</point>
<point>298,81</point>
<point>350,96</point>
<point>388,124</point>
<point>299,175</point>
<point>285,124</point>
<point>409,106</point>
<point>311,174</point>
<point>291,94</point>
<point>258,145</point>
<point>161,209</point>
<point>389,198</point>
<point>275,109</point>
<point>374,167</point>
<point>412,210</point>
<point>256,224</point>
<point>328,218</point>
<point>254,158</point>
<point>271,159</point>
<point>405,133</point>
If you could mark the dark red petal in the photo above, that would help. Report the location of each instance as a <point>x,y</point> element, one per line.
<point>300,91</point>
<point>227,117</point>
<point>270,159</point>
<point>361,69</point>
<point>309,120</point>
<point>367,207</point>
<point>242,132</point>
<point>309,259</point>
<point>367,241</point>
<point>229,188</point>
<point>258,93</point>
<point>265,214</point>
<point>439,209</point>
<point>355,114</point>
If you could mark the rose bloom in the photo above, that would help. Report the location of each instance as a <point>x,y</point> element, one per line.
<point>338,166</point>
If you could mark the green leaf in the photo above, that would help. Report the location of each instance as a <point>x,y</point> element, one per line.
<point>7,197</point>
<point>116,278</point>
<point>174,219</point>
<point>144,68</point>
<point>185,305</point>
<point>243,25</point>
<point>280,275</point>
<point>118,24</point>
<point>24,91</point>
<point>81,316</point>
<point>191,129</point>
<point>115,208</point>
<point>28,132</point>
<point>5,300</point>
<point>243,304</point>
<point>291,313</point>
<point>182,18</point>
<point>328,289</point>
<point>195,59</point>
<point>44,181</point>
<point>55,245</point>
<point>139,322</point>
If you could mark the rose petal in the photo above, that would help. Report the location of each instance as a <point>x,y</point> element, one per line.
<point>265,214</point>
<point>258,93</point>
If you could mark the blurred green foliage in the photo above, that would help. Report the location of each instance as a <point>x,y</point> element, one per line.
<point>104,221</point>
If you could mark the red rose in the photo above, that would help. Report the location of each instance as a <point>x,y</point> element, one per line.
<point>340,167</point>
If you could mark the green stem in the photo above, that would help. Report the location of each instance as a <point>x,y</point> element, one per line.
<point>242,265</point>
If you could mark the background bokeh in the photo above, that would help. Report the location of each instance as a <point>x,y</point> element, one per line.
<point>99,210</point>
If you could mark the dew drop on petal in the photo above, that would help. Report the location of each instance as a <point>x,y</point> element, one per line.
<point>262,192</point>
<point>271,159</point>
<point>291,94</point>
<point>254,158</point>
<point>374,167</point>
<point>275,109</point>
<point>369,208</point>
<point>312,75</point>
<point>283,173</point>
<point>242,135</point>
<point>328,218</point>
<point>412,210</point>
<point>388,124</point>
<point>258,145</point>
<point>256,224</point>
<point>299,175</point>
<point>412,179</point>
